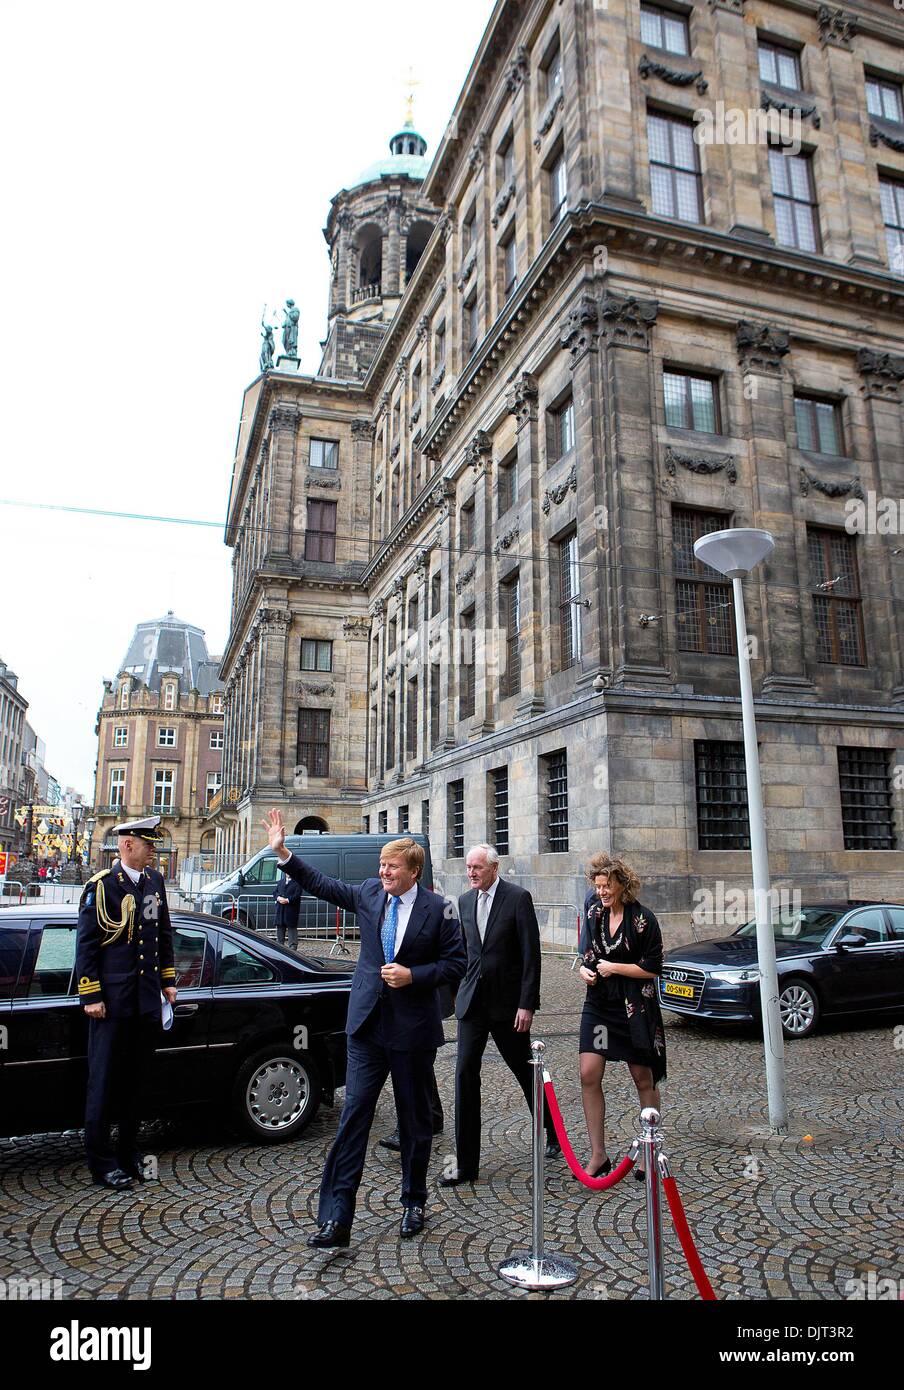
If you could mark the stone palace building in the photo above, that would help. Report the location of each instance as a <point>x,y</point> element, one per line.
<point>650,285</point>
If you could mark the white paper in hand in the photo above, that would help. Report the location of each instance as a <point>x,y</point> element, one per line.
<point>166,1013</point>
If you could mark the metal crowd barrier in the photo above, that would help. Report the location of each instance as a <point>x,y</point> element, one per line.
<point>560,927</point>
<point>317,921</point>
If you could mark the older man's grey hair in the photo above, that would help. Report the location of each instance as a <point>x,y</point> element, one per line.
<point>488,850</point>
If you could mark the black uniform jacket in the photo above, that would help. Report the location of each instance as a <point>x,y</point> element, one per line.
<point>124,950</point>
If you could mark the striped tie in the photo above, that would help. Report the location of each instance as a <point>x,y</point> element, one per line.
<point>387,935</point>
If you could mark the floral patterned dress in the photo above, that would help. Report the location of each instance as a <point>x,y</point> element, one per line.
<point>621,1019</point>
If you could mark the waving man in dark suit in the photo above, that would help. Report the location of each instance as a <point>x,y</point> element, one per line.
<point>498,997</point>
<point>410,946</point>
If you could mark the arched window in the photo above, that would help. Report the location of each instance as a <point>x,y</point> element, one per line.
<point>418,235</point>
<point>370,264</point>
<point>124,695</point>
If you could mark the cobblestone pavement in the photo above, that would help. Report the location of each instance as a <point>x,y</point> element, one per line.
<point>773,1218</point>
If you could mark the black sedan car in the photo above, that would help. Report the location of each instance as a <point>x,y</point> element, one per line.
<point>257,1030</point>
<point>832,958</point>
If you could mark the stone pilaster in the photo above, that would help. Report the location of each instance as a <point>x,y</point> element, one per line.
<point>523,403</point>
<point>626,326</point>
<point>284,421</point>
<point>882,390</point>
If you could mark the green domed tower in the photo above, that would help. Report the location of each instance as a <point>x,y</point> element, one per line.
<point>376,231</point>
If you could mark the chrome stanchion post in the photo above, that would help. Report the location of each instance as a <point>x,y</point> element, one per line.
<point>651,1145</point>
<point>538,1270</point>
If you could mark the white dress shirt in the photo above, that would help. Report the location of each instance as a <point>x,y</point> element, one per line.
<point>490,893</point>
<point>134,874</point>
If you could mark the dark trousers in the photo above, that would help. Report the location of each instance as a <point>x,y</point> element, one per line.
<point>370,1061</point>
<point>119,1056</point>
<point>281,929</point>
<point>473,1033</point>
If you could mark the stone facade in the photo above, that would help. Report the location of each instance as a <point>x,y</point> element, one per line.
<point>514,426</point>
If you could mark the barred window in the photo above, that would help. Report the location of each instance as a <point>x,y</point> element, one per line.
<point>313,749</point>
<point>316,655</point>
<point>837,605</point>
<point>569,589</point>
<point>674,168</point>
<point>466,680</point>
<point>403,820</point>
<point>818,425</point>
<point>722,820</point>
<point>366,824</point>
<point>556,777</point>
<point>455,840</point>
<point>382,822</point>
<point>704,609</point>
<point>320,535</point>
<point>796,216</point>
<point>510,623</point>
<point>867,813</point>
<point>780,66</point>
<point>691,402</point>
<point>892,195</point>
<point>499,809</point>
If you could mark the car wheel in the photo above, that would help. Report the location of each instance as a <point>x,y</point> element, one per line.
<point>275,1095</point>
<point>799,1009</point>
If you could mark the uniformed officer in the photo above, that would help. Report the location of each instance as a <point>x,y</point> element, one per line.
<point>124,960</point>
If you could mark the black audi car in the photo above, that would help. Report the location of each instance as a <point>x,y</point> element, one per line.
<point>258,1031</point>
<point>832,958</point>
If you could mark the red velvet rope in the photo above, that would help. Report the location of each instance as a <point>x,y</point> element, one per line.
<point>598,1184</point>
<point>704,1287</point>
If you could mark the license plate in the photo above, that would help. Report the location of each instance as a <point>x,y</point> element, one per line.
<point>683,991</point>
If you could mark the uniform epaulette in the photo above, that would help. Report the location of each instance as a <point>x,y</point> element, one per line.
<point>103,874</point>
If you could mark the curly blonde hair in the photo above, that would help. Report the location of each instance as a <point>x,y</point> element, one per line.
<point>597,864</point>
<point>620,870</point>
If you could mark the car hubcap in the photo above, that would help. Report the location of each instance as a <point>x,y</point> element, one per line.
<point>797,1009</point>
<point>278,1093</point>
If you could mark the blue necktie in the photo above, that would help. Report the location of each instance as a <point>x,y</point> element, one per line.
<point>387,935</point>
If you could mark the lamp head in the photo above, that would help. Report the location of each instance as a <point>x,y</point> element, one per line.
<point>735,552</point>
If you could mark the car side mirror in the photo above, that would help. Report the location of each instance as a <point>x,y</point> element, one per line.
<point>241,879</point>
<point>850,939</point>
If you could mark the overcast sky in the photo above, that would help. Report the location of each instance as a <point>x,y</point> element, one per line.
<point>168,170</point>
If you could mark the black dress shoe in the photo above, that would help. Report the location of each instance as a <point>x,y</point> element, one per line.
<point>412,1222</point>
<point>456,1179</point>
<point>553,1148</point>
<point>116,1179</point>
<point>602,1171</point>
<point>135,1168</point>
<point>640,1174</point>
<point>330,1234</point>
<point>391,1141</point>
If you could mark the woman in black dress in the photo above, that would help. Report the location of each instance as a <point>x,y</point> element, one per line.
<point>621,947</point>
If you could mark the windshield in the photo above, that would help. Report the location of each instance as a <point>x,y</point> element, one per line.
<point>808,925</point>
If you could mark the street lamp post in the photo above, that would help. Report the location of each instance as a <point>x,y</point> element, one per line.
<point>90,823</point>
<point>77,809</point>
<point>735,553</point>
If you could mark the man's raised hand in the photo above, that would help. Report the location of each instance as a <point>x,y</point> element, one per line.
<point>276,832</point>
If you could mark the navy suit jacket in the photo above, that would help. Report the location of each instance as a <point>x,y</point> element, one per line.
<point>432,949</point>
<point>286,888</point>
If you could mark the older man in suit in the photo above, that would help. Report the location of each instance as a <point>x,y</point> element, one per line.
<point>410,946</point>
<point>497,998</point>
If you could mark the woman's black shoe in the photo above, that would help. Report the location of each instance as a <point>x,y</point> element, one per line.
<point>601,1172</point>
<point>640,1174</point>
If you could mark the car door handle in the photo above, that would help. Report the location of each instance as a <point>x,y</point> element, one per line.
<point>183,1010</point>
